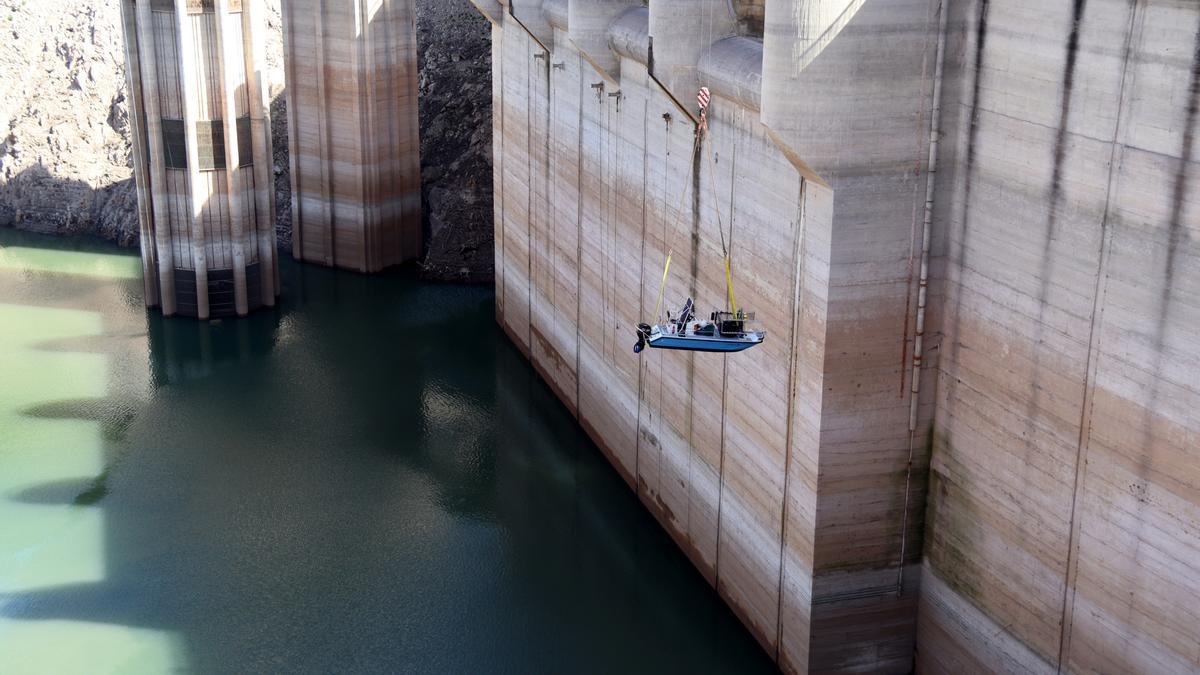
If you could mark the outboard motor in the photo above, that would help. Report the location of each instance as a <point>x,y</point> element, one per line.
<point>643,333</point>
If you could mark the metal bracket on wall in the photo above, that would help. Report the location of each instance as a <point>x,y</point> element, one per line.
<point>599,88</point>
<point>617,95</point>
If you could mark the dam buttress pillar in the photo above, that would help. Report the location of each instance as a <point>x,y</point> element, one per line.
<point>201,155</point>
<point>351,70</point>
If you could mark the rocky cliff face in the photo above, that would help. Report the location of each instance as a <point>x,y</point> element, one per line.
<point>65,157</point>
<point>456,139</point>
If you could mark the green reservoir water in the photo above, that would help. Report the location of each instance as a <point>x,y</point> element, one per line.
<point>368,478</point>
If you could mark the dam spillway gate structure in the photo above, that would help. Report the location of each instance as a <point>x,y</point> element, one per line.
<point>969,228</point>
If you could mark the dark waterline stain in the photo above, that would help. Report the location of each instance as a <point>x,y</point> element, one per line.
<point>964,229</point>
<point>1054,201</point>
<point>1059,161</point>
<point>1175,229</point>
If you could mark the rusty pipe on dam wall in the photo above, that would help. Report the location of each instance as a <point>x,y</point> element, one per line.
<point>935,132</point>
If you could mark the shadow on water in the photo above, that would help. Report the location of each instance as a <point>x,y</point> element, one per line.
<point>368,478</point>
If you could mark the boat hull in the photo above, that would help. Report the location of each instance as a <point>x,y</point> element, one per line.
<point>702,344</point>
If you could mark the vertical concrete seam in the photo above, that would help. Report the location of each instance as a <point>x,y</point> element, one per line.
<point>500,160</point>
<point>532,216</point>
<point>724,357</point>
<point>325,160</point>
<point>391,246</point>
<point>642,363</point>
<point>529,216</point>
<point>579,94</point>
<point>789,437</point>
<point>721,471</point>
<point>606,221</point>
<point>694,170</point>
<point>548,240</point>
<point>552,204</point>
<point>362,89</point>
<point>1095,337</point>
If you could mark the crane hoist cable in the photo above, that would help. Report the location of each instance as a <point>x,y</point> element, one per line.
<point>670,238</point>
<point>703,98</point>
<point>701,131</point>
<point>712,174</point>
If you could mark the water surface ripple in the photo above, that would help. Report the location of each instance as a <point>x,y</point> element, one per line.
<point>368,478</point>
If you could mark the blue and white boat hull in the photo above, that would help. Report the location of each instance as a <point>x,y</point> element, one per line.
<point>702,343</point>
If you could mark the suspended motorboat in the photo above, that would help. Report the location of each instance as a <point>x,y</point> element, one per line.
<point>722,332</point>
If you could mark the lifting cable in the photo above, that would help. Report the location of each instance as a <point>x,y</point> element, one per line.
<point>670,235</point>
<point>701,131</point>
<point>712,175</point>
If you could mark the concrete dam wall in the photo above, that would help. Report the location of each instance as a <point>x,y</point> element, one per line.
<point>1063,531</point>
<point>971,237</point>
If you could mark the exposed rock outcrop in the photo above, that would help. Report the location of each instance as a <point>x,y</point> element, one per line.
<point>456,139</point>
<point>64,157</point>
